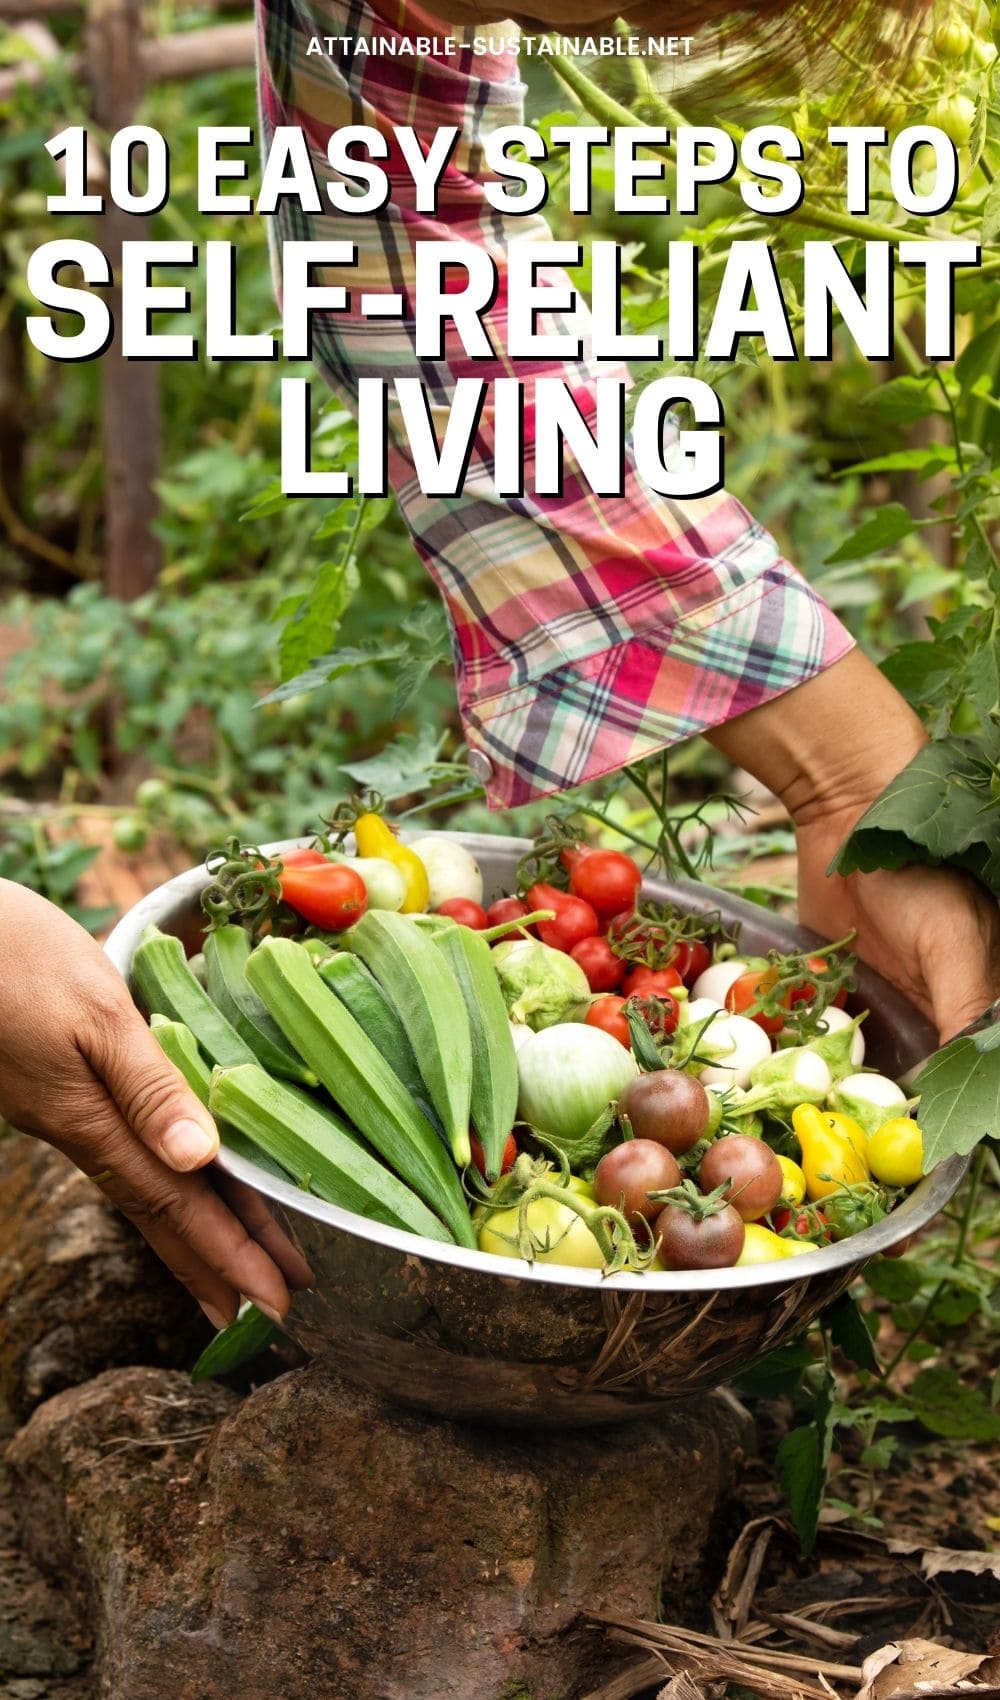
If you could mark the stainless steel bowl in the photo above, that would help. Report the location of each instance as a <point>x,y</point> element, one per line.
<point>479,1338</point>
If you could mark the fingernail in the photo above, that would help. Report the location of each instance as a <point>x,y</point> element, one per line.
<point>269,1311</point>
<point>186,1144</point>
<point>215,1317</point>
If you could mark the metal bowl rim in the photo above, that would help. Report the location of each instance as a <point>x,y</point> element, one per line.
<point>916,1210</point>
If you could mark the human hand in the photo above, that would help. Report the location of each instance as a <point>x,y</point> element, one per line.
<point>934,932</point>
<point>80,1068</point>
<point>827,749</point>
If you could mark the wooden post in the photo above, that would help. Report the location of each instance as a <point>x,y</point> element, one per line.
<point>130,388</point>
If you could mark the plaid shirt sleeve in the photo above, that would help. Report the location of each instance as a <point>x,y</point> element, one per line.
<point>588,631</point>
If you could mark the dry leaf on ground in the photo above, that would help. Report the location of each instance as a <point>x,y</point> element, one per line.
<point>924,1670</point>
<point>935,1560</point>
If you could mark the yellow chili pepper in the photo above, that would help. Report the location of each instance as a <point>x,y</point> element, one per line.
<point>833,1150</point>
<point>375,838</point>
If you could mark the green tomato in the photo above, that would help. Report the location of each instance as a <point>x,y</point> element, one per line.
<point>151,794</point>
<point>955,115</point>
<point>558,1235</point>
<point>896,1152</point>
<point>129,833</point>
<point>984,52</point>
<point>952,40</point>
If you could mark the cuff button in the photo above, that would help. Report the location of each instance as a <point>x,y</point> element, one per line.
<point>480,766</point>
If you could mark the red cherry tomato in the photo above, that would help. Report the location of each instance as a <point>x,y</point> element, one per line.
<point>303,858</point>
<point>804,1224</point>
<point>747,991</point>
<point>606,879</point>
<point>805,991</point>
<point>606,1013</point>
<point>479,1156</point>
<point>651,982</point>
<point>638,934</point>
<point>465,911</point>
<point>602,967</point>
<point>661,1016</point>
<point>507,909</point>
<point>690,957</point>
<point>333,896</point>
<point>574,919</point>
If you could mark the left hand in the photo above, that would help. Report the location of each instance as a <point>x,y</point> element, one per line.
<point>933,932</point>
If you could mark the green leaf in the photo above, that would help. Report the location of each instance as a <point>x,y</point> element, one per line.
<point>947,1407</point>
<point>886,526</point>
<point>991,214</point>
<point>936,810</point>
<point>402,767</point>
<point>959,1100</point>
<point>327,667</point>
<point>894,1279</point>
<point>902,400</point>
<point>803,1459</point>
<point>271,501</point>
<point>244,1339</point>
<point>779,1372</point>
<point>983,679</point>
<point>929,675</point>
<point>411,677</point>
<point>849,1332</point>
<point>924,461</point>
<point>316,621</point>
<point>979,357</point>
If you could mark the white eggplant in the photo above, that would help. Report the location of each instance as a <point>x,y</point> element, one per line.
<point>451,871</point>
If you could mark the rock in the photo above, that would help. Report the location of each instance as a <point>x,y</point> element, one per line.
<point>80,1290</point>
<point>325,1544</point>
<point>44,1649</point>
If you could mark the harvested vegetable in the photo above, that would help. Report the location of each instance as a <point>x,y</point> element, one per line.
<point>541,986</point>
<point>570,1080</point>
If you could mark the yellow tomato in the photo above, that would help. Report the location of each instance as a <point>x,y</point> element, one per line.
<point>558,1235</point>
<point>833,1150</point>
<point>762,1246</point>
<point>794,1189</point>
<point>896,1152</point>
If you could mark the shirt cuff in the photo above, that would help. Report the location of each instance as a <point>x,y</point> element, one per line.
<point>659,687</point>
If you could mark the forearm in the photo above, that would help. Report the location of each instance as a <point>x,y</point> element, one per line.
<point>828,747</point>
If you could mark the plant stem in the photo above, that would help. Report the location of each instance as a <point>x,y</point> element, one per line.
<point>965,1224</point>
<point>604,107</point>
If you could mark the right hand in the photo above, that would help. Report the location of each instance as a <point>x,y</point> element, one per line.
<point>80,1068</point>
